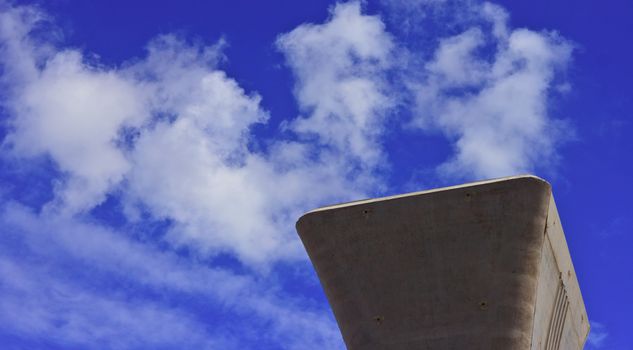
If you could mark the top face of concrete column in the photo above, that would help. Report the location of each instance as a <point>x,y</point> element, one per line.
<point>453,268</point>
<point>426,192</point>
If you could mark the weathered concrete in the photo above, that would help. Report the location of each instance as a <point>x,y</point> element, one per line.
<point>478,266</point>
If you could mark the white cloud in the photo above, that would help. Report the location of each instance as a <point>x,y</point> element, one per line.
<point>455,63</point>
<point>56,311</point>
<point>74,114</point>
<point>198,171</point>
<point>495,109</point>
<point>340,69</point>
<point>597,336</point>
<point>16,23</point>
<point>75,294</point>
<point>66,109</point>
<point>498,17</point>
<point>170,132</point>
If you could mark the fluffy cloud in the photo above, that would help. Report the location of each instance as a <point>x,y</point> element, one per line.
<point>68,110</point>
<point>197,170</point>
<point>340,68</point>
<point>170,132</point>
<point>487,89</point>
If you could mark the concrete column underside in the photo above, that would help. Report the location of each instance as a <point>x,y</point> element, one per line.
<point>478,266</point>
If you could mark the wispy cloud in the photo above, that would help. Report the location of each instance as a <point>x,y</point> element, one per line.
<point>69,314</point>
<point>341,68</point>
<point>487,90</point>
<point>597,336</point>
<point>99,287</point>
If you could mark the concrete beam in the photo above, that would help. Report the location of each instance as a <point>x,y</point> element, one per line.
<point>478,266</point>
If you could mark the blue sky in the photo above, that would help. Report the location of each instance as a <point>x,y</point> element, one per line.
<point>156,154</point>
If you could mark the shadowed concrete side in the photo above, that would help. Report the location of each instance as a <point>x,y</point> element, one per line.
<point>454,268</point>
<point>560,316</point>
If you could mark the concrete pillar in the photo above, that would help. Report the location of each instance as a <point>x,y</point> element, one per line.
<point>478,266</point>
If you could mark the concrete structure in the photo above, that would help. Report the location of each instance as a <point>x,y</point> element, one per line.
<point>478,266</point>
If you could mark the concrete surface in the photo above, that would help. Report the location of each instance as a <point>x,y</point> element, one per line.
<point>477,266</point>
